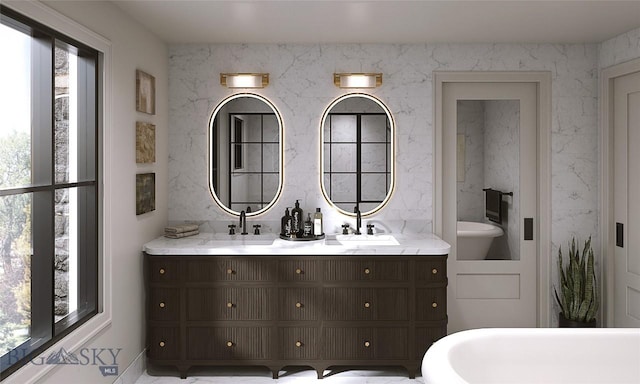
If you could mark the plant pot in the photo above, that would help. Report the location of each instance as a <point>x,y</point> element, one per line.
<point>566,323</point>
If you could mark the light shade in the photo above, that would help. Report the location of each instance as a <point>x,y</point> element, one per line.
<point>357,80</point>
<point>244,80</point>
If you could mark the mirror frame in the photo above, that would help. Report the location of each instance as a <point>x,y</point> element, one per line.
<point>392,166</point>
<point>212,117</point>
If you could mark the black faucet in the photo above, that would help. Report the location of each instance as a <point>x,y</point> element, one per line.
<point>358,220</point>
<point>243,223</point>
<point>370,229</point>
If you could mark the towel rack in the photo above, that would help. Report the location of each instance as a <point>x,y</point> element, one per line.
<point>493,204</point>
<point>500,192</point>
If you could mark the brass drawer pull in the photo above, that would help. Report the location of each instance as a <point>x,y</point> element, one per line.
<point>161,344</point>
<point>230,271</point>
<point>367,344</point>
<point>367,304</point>
<point>162,305</point>
<point>229,343</point>
<point>298,344</point>
<point>367,271</point>
<point>299,271</point>
<point>161,271</point>
<point>434,304</point>
<point>434,271</point>
<point>298,305</point>
<point>229,305</point>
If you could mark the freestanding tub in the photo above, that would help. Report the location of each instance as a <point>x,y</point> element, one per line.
<point>535,355</point>
<point>474,239</point>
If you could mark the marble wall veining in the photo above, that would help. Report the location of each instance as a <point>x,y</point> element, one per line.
<point>470,197</point>
<point>619,49</point>
<point>502,170</point>
<point>301,87</point>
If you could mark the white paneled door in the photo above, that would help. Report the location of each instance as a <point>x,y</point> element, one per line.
<point>494,293</point>
<point>626,196</point>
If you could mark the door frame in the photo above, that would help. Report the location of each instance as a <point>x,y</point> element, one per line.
<point>607,220</point>
<point>542,79</point>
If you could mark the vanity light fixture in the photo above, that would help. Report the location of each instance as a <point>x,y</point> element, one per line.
<point>357,80</point>
<point>244,80</point>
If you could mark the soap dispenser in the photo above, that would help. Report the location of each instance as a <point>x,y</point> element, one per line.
<point>308,227</point>
<point>297,220</point>
<point>286,223</point>
<point>317,223</point>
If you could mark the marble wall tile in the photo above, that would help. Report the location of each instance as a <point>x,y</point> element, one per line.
<point>502,170</point>
<point>301,88</point>
<point>470,198</point>
<point>619,49</point>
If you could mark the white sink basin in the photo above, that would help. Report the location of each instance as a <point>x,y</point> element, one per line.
<point>372,240</point>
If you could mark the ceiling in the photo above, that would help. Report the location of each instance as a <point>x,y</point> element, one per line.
<point>384,21</point>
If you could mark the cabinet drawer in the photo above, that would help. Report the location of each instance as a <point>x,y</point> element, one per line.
<point>351,343</point>
<point>425,336</point>
<point>366,304</point>
<point>231,269</point>
<point>164,304</point>
<point>296,343</point>
<point>229,304</point>
<point>299,303</point>
<point>431,271</point>
<point>237,343</point>
<point>298,270</point>
<point>366,270</point>
<point>163,270</point>
<point>431,304</point>
<point>164,343</point>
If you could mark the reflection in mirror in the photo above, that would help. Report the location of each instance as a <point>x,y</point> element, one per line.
<point>245,154</point>
<point>488,156</point>
<point>357,157</point>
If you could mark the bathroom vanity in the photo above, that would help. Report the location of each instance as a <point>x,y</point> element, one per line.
<point>279,305</point>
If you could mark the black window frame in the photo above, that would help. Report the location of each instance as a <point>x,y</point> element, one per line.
<point>358,173</point>
<point>45,330</point>
<point>237,150</point>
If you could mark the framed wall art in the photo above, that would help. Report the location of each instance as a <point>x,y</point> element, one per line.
<point>145,142</point>
<point>145,93</point>
<point>145,193</point>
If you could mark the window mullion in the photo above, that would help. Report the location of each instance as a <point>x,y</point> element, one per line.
<point>43,202</point>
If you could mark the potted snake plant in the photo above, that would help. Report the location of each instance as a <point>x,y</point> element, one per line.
<point>578,298</point>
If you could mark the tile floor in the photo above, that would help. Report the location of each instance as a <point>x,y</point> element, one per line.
<point>263,376</point>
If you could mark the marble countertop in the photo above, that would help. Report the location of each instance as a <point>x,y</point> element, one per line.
<point>271,244</point>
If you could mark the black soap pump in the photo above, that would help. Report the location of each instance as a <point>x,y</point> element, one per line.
<point>308,227</point>
<point>286,223</point>
<point>297,220</point>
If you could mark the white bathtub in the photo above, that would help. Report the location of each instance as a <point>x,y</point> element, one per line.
<point>474,239</point>
<point>535,355</point>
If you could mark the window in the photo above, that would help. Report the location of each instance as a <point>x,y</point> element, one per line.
<point>48,188</point>
<point>238,126</point>
<point>357,160</point>
<point>254,146</point>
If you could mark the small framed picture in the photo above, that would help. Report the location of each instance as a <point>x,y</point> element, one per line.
<point>145,93</point>
<point>145,142</point>
<point>145,193</point>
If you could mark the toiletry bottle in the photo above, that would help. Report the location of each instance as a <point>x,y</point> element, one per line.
<point>286,223</point>
<point>297,220</point>
<point>308,227</point>
<point>317,223</point>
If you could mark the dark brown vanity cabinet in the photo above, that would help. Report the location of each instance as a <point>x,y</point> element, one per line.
<point>278,311</point>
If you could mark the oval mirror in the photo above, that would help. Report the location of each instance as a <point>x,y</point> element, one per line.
<point>357,156</point>
<point>245,154</point>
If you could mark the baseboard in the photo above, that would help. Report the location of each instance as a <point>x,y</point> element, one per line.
<point>133,372</point>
